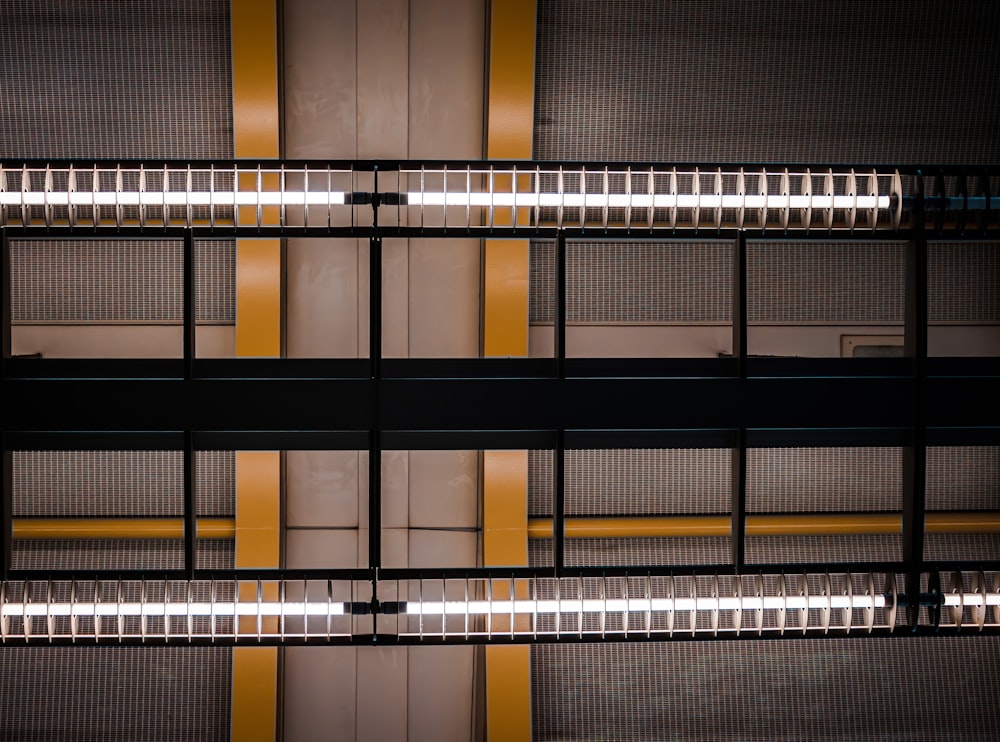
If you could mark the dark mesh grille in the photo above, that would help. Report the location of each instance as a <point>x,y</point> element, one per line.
<point>845,689</point>
<point>883,547</point>
<point>116,79</point>
<point>795,282</point>
<point>96,484</point>
<point>119,554</point>
<point>824,479</point>
<point>963,282</point>
<point>973,547</point>
<point>771,81</point>
<point>635,282</point>
<point>115,693</point>
<point>963,478</point>
<point>634,481</point>
<point>612,552</point>
<point>119,281</point>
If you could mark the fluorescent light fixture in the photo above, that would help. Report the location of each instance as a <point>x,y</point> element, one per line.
<point>501,199</point>
<point>161,609</point>
<point>172,198</point>
<point>642,605</point>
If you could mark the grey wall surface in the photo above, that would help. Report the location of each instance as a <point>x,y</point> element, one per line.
<point>391,79</point>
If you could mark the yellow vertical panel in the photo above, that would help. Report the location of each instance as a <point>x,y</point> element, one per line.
<point>508,693</point>
<point>258,298</point>
<point>258,544</point>
<point>512,79</point>
<point>255,135</point>
<point>255,678</point>
<point>258,509</point>
<point>509,122</point>
<point>255,78</point>
<point>505,508</point>
<point>505,298</point>
<point>510,108</point>
<point>505,542</point>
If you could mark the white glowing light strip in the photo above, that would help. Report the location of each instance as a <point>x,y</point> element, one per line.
<point>645,200</point>
<point>642,605</point>
<point>171,198</point>
<point>173,609</point>
<point>971,600</point>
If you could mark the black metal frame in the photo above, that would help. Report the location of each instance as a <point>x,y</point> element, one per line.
<point>557,403</point>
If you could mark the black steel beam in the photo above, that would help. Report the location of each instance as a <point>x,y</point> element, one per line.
<point>5,297</point>
<point>190,508</point>
<point>6,510</point>
<point>189,307</point>
<point>375,425</point>
<point>560,307</point>
<point>496,404</point>
<point>915,454</point>
<point>559,504</point>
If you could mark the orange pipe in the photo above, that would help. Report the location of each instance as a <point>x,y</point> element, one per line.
<point>764,525</point>
<point>141,528</point>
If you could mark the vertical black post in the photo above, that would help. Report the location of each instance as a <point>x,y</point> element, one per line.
<point>7,495</point>
<point>375,361</point>
<point>6,511</point>
<point>915,454</point>
<point>560,307</point>
<point>739,452</point>
<point>190,508</point>
<point>6,293</point>
<point>740,305</point>
<point>189,308</point>
<point>559,504</point>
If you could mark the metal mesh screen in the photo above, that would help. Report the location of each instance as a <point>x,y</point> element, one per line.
<point>849,689</point>
<point>119,281</point>
<point>614,552</point>
<point>880,547</point>
<point>116,79</point>
<point>634,481</point>
<point>772,81</point>
<point>119,554</point>
<point>822,282</point>
<point>963,282</point>
<point>112,693</point>
<point>103,484</point>
<point>797,480</point>
<point>635,282</point>
<point>946,547</point>
<point>963,478</point>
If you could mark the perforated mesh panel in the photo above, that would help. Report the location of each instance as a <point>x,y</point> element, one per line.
<point>115,693</point>
<point>613,552</point>
<point>635,282</point>
<point>880,547</point>
<point>963,282</point>
<point>963,478</point>
<point>116,79</point>
<point>119,281</point>
<point>119,554</point>
<point>961,546</point>
<point>771,81</point>
<point>817,282</point>
<point>847,689</point>
<point>634,481</point>
<point>102,484</point>
<point>796,480</point>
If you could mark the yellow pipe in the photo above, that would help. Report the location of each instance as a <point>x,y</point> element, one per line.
<point>823,525</point>
<point>962,522</point>
<point>139,528</point>
<point>764,525</point>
